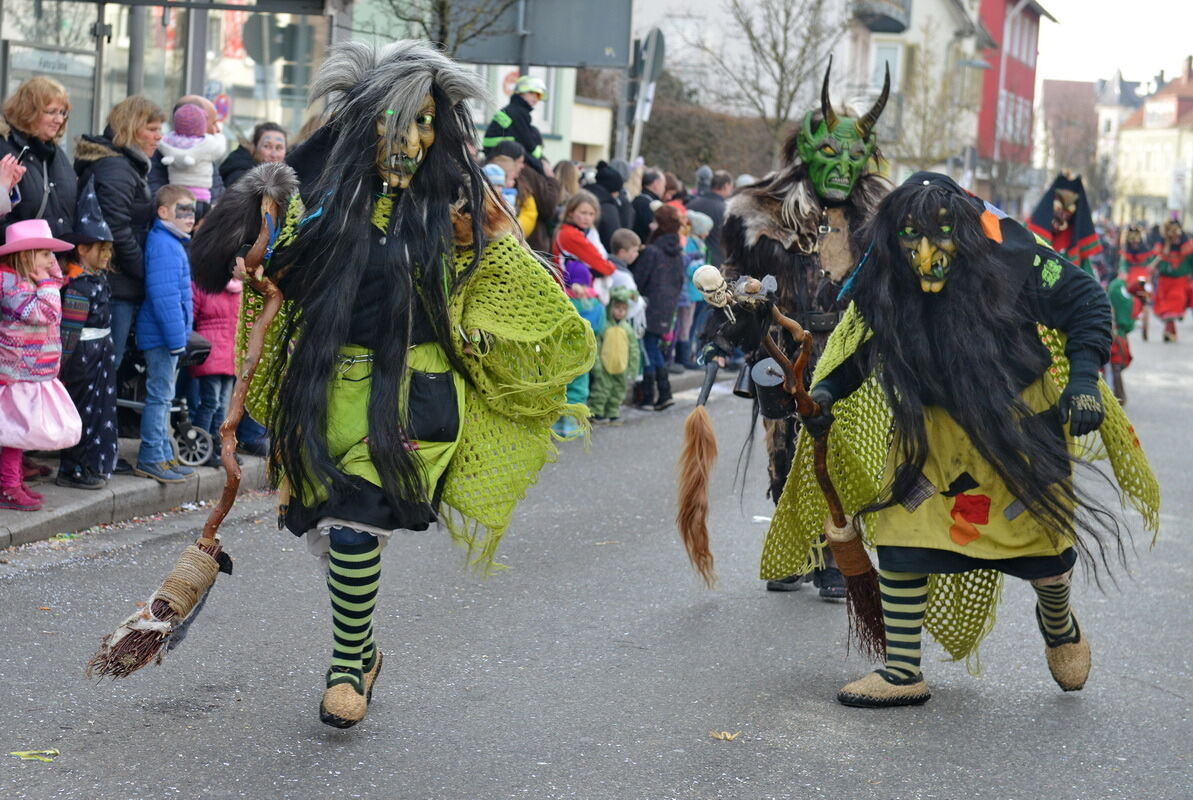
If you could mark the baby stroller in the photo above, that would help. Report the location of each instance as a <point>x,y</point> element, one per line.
<point>192,445</point>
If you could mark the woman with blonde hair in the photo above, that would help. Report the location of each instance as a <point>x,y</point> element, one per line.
<point>33,125</point>
<point>119,162</point>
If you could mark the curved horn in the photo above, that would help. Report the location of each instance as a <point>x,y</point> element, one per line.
<point>867,123</point>
<point>826,106</point>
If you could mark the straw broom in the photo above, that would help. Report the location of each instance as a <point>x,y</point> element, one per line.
<point>162,621</point>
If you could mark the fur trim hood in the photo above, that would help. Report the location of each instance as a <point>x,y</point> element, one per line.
<point>90,149</point>
<point>792,217</point>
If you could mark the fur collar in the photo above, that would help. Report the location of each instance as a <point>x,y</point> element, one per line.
<point>793,217</point>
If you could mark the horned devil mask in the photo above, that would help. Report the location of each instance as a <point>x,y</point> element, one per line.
<point>837,148</point>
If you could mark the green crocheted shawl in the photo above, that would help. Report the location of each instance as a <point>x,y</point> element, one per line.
<point>961,607</point>
<point>521,343</point>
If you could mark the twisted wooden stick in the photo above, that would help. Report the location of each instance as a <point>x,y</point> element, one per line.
<point>248,368</point>
<point>863,598</point>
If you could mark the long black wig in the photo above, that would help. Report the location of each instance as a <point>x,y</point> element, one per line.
<point>326,264</point>
<point>971,349</point>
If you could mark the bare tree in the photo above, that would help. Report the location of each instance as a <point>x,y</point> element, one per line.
<point>450,23</point>
<point>769,58</point>
<point>927,137</point>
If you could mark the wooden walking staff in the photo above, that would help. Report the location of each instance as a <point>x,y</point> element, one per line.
<point>248,367</point>
<point>161,623</point>
<point>863,598</point>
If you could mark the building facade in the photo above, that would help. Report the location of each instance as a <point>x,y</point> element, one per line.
<point>1004,171</point>
<point>1154,157</point>
<point>253,60</point>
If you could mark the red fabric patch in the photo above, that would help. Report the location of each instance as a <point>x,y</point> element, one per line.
<point>969,511</point>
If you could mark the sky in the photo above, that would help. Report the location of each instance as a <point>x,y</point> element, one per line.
<point>1094,37</point>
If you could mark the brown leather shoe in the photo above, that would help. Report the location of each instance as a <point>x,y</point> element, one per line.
<point>1069,662</point>
<point>878,691</point>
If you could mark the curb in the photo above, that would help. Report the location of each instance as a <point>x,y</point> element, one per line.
<point>68,510</point>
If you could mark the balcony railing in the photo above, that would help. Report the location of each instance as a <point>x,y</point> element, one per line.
<point>883,16</point>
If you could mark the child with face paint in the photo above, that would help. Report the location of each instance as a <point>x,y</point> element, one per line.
<point>163,324</point>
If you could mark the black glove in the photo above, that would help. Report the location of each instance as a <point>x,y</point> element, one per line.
<point>818,425</point>
<point>1081,402</point>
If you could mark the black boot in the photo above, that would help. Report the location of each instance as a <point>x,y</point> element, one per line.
<point>644,395</point>
<point>664,400</point>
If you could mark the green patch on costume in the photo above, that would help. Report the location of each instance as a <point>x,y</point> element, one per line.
<point>520,342</point>
<point>1050,272</point>
<point>347,417</point>
<point>961,608</point>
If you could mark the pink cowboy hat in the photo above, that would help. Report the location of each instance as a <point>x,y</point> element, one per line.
<point>32,234</point>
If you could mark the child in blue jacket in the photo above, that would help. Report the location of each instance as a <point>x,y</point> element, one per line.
<point>163,324</point>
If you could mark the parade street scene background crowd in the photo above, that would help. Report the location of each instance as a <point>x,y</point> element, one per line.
<point>683,363</point>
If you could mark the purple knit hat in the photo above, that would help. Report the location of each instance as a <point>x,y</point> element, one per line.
<point>576,272</point>
<point>190,120</point>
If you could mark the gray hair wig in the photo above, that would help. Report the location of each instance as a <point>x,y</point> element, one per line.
<point>395,78</point>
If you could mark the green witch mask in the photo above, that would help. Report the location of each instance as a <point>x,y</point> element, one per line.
<point>837,150</point>
<point>931,255</point>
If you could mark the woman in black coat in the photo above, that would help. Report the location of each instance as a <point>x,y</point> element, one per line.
<point>35,118</point>
<point>659,273</point>
<point>119,163</point>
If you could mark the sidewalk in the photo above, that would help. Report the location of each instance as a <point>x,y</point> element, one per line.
<point>126,496</point>
<point>67,510</point>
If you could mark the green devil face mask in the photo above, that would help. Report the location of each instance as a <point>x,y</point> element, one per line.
<point>837,150</point>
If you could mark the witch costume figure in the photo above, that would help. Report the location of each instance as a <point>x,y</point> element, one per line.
<point>1064,221</point>
<point>797,225</point>
<point>962,379</point>
<point>422,352</point>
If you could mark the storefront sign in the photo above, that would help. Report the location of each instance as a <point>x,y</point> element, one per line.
<point>37,61</point>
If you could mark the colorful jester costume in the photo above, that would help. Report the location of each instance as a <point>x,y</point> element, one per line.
<point>1135,267</point>
<point>963,473</point>
<point>1174,270</point>
<point>1064,221</point>
<point>797,224</point>
<point>422,352</point>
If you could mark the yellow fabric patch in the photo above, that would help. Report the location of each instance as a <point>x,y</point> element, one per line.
<point>615,350</point>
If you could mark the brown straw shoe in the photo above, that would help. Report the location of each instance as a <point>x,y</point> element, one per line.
<point>1069,662</point>
<point>878,691</point>
<point>343,706</point>
<point>371,675</point>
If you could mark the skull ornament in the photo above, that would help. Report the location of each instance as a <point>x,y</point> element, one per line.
<point>931,255</point>
<point>837,149</point>
<point>400,153</point>
<point>711,283</point>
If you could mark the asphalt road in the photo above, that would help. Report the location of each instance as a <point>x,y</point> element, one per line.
<point>596,665</point>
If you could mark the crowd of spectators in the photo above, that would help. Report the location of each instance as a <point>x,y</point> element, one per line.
<point>114,310</point>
